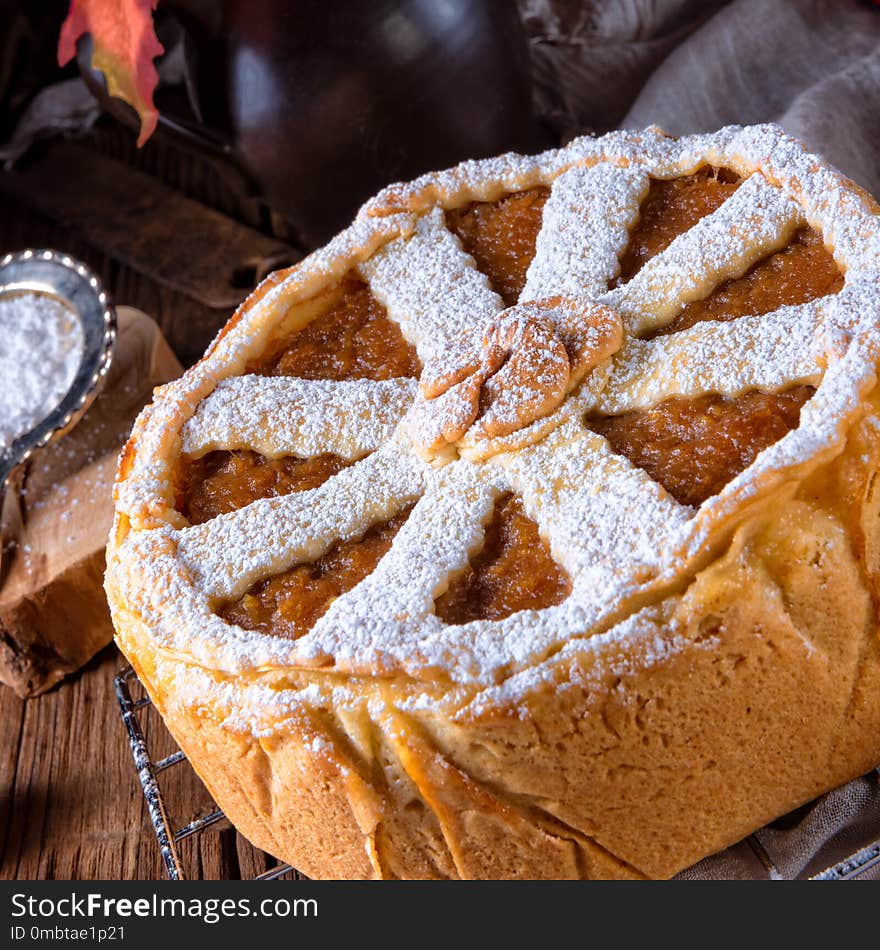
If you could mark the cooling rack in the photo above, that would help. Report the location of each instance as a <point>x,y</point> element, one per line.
<point>150,770</point>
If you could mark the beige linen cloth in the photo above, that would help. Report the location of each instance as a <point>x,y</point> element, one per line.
<point>695,65</point>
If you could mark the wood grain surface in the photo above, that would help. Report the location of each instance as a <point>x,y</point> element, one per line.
<point>70,803</point>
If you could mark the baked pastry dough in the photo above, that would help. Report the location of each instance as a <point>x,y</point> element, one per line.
<point>702,660</point>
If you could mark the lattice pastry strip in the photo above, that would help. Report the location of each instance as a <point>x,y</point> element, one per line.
<point>435,543</point>
<point>233,551</point>
<point>755,221</point>
<point>585,229</point>
<point>430,286</point>
<point>768,352</point>
<point>284,415</point>
<point>596,508</point>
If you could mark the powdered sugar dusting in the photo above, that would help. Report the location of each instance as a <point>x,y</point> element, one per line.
<point>645,639</point>
<point>768,352</point>
<point>585,229</point>
<point>41,352</point>
<point>228,554</point>
<point>144,490</point>
<point>516,371</point>
<point>434,544</point>
<point>618,534</point>
<point>598,509</point>
<point>288,416</point>
<point>490,178</point>
<point>754,221</point>
<point>431,287</point>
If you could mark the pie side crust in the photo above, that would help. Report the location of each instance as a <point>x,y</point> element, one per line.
<point>710,692</point>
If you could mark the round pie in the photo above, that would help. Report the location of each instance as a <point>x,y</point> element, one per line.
<point>531,528</point>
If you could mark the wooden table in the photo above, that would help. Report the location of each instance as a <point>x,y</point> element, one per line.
<point>70,802</point>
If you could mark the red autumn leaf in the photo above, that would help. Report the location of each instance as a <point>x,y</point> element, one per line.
<point>124,47</point>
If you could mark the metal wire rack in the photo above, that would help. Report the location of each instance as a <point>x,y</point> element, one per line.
<point>149,770</point>
<point>854,866</point>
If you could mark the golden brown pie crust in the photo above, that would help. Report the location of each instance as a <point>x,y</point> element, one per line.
<point>739,681</point>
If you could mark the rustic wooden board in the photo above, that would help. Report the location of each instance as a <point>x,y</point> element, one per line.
<point>188,326</point>
<point>66,812</point>
<point>175,241</point>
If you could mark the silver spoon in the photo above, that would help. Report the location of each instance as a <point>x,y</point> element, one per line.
<point>69,281</point>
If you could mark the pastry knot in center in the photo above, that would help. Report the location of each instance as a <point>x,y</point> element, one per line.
<point>516,369</point>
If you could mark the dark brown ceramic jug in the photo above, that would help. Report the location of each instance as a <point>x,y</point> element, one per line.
<point>323,102</point>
